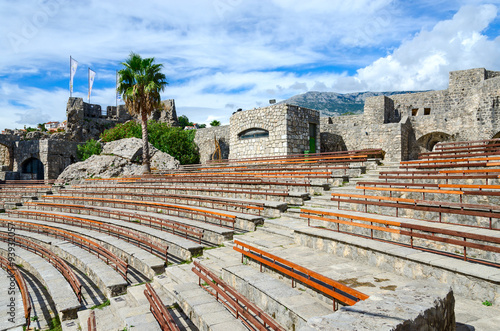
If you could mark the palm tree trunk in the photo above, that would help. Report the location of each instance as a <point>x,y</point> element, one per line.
<point>146,164</point>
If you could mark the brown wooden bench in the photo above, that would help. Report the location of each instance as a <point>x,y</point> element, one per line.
<point>469,143</point>
<point>21,283</point>
<point>246,207</point>
<point>159,311</point>
<point>407,229</point>
<point>131,236</point>
<point>120,265</point>
<point>251,315</point>
<point>55,260</point>
<point>339,292</point>
<point>222,218</point>
<point>176,228</point>
<point>440,207</point>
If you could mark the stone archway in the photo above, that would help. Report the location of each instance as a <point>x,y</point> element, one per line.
<point>32,168</point>
<point>427,142</point>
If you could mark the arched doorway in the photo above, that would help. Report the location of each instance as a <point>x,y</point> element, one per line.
<point>33,167</point>
<point>427,142</point>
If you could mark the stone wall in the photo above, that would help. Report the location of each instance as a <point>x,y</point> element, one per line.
<point>204,139</point>
<point>55,155</point>
<point>288,128</point>
<point>467,110</point>
<point>418,306</point>
<point>4,156</point>
<point>167,113</point>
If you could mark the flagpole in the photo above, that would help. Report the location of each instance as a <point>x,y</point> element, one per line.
<point>89,84</point>
<point>116,91</point>
<point>70,89</point>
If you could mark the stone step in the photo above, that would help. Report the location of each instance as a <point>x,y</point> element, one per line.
<point>61,293</point>
<point>202,308</point>
<point>180,247</point>
<point>290,307</point>
<point>11,304</point>
<point>147,263</point>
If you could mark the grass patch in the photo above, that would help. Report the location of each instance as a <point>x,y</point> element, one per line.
<point>55,324</point>
<point>102,305</point>
<point>487,303</point>
<point>213,247</point>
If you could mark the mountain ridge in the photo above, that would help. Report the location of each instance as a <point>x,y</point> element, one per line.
<point>335,104</point>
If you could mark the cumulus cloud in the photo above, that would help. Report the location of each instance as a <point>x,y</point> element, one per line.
<point>271,50</point>
<point>424,61</point>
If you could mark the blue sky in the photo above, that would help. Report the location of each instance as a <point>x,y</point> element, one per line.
<point>220,55</point>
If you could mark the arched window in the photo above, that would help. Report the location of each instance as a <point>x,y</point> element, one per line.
<point>254,133</point>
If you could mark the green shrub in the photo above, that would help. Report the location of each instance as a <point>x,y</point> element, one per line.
<point>129,129</point>
<point>171,140</point>
<point>88,149</point>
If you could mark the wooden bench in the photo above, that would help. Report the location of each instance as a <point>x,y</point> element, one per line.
<point>246,207</point>
<point>55,260</point>
<point>159,311</point>
<point>407,229</point>
<point>21,283</point>
<point>235,193</point>
<point>470,143</point>
<point>440,207</point>
<point>134,237</point>
<point>251,315</point>
<point>339,292</point>
<point>120,265</point>
<point>221,218</point>
<point>176,228</point>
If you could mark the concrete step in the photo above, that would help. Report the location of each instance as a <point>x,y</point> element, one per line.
<point>61,293</point>
<point>138,257</point>
<point>11,303</point>
<point>180,247</point>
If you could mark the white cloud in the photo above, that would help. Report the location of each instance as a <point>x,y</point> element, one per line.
<point>268,50</point>
<point>424,61</point>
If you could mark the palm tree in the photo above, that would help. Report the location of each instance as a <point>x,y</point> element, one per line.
<point>140,84</point>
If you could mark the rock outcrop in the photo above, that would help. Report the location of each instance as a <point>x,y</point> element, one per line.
<point>120,158</point>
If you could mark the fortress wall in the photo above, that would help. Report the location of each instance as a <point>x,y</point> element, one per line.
<point>204,139</point>
<point>358,135</point>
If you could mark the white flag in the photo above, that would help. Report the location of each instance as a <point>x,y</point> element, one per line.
<point>73,64</point>
<point>91,81</point>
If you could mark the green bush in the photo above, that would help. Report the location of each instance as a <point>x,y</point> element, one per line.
<point>125,130</point>
<point>88,149</point>
<point>172,140</point>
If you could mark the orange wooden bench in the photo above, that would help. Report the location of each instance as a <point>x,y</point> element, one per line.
<point>407,229</point>
<point>339,292</point>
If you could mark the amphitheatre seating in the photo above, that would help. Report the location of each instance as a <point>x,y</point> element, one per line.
<point>131,236</point>
<point>186,228</point>
<point>159,310</point>
<point>339,292</point>
<point>241,307</point>
<point>253,193</point>
<point>55,260</point>
<point>148,239</point>
<point>66,301</point>
<point>119,264</point>
<point>488,212</point>
<point>21,283</point>
<point>450,163</point>
<point>412,229</point>
<point>230,220</point>
<point>247,207</point>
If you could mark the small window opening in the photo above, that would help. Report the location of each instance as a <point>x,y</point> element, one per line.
<point>427,111</point>
<point>254,133</point>
<point>414,112</point>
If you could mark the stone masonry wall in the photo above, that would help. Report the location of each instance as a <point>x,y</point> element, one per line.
<point>204,139</point>
<point>288,128</point>
<point>4,155</point>
<point>467,110</point>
